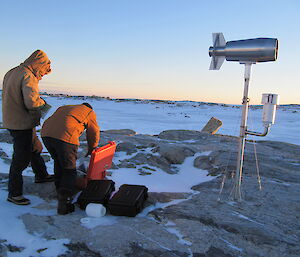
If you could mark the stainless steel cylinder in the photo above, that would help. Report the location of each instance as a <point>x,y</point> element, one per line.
<point>248,50</point>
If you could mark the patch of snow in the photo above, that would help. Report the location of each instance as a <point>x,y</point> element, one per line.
<point>160,181</point>
<point>277,181</point>
<point>159,205</point>
<point>91,222</point>
<point>246,218</point>
<point>7,148</point>
<point>176,232</point>
<point>13,230</point>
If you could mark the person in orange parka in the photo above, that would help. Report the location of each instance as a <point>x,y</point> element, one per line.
<point>60,134</point>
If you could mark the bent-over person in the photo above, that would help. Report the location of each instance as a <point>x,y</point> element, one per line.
<point>60,134</point>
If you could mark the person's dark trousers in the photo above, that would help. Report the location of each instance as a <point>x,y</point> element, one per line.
<point>64,155</point>
<point>27,148</point>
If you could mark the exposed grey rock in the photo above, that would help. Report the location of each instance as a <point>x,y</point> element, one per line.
<point>281,146</point>
<point>174,154</point>
<point>12,248</point>
<point>137,250</point>
<point>3,154</point>
<point>3,248</point>
<point>213,252</point>
<point>5,137</point>
<point>127,147</point>
<point>7,160</point>
<point>43,190</point>
<point>155,197</point>
<point>138,139</point>
<point>203,162</point>
<point>127,132</point>
<point>5,157</point>
<point>79,249</point>
<point>126,164</point>
<point>180,135</point>
<point>221,161</point>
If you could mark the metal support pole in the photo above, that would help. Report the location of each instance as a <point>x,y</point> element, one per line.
<point>240,158</point>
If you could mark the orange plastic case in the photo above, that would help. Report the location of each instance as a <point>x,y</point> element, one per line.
<point>101,160</point>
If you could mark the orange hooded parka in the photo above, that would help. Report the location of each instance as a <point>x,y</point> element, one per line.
<point>68,123</point>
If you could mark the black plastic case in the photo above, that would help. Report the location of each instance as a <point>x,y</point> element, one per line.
<point>128,201</point>
<point>97,191</point>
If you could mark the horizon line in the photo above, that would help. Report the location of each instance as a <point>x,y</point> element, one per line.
<point>147,99</point>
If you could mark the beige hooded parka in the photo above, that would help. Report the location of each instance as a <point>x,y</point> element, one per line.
<point>21,103</point>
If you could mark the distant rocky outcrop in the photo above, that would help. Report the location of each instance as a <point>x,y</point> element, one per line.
<point>205,222</point>
<point>126,132</point>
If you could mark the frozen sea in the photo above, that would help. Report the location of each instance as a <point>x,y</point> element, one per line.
<point>153,116</point>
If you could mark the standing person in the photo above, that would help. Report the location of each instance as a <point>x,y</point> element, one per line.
<point>21,112</point>
<point>60,134</point>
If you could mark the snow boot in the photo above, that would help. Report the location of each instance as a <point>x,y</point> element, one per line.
<point>65,205</point>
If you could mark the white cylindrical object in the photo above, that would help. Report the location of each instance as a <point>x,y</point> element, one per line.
<point>96,210</point>
<point>269,111</point>
<point>269,101</point>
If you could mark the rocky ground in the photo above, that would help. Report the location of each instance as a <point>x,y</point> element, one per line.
<point>203,223</point>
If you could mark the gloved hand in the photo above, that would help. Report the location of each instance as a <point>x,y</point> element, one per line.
<point>88,153</point>
<point>35,116</point>
<point>44,101</point>
<point>45,109</point>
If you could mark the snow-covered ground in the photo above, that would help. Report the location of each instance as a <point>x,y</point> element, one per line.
<point>145,117</point>
<point>152,117</point>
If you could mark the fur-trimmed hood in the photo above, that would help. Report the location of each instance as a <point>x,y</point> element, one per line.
<point>39,64</point>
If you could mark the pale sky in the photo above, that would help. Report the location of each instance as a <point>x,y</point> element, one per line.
<point>154,49</point>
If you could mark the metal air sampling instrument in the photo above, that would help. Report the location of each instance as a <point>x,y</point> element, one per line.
<point>247,52</point>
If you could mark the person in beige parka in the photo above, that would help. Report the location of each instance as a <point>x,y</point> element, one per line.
<point>21,113</point>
